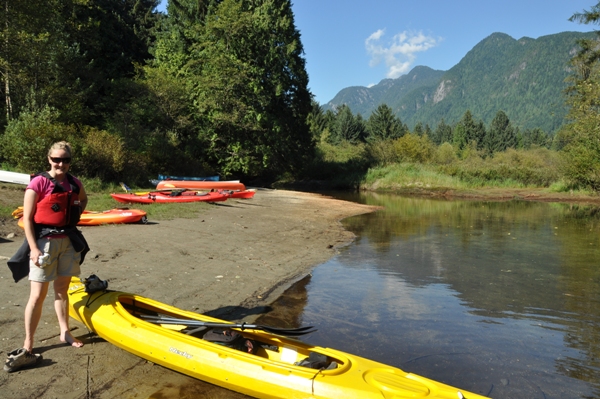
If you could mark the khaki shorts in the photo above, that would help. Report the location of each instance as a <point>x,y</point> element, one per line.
<point>64,261</point>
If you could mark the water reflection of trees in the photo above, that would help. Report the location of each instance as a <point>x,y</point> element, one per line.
<point>579,287</point>
<point>513,259</point>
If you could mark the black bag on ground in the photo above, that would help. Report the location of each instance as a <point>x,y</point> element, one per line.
<point>231,339</point>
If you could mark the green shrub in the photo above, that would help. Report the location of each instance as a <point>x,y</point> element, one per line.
<point>382,152</point>
<point>100,154</point>
<point>96,153</point>
<point>408,177</point>
<point>27,139</point>
<point>414,148</point>
<point>445,154</point>
<point>340,166</point>
<point>535,167</point>
<point>581,157</point>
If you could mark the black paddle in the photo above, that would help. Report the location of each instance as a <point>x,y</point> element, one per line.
<point>291,332</point>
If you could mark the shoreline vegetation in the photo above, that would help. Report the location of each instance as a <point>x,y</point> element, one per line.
<point>532,175</point>
<point>413,165</point>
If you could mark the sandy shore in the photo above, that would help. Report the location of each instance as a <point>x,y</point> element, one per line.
<point>238,256</point>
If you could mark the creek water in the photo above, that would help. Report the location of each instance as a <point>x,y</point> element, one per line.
<point>498,298</point>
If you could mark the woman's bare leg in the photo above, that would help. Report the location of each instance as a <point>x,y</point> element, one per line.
<point>61,306</point>
<point>33,311</point>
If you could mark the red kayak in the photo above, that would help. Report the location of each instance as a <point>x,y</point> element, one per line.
<point>245,194</point>
<point>165,197</point>
<point>201,185</point>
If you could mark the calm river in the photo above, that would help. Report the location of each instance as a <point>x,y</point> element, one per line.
<point>499,298</point>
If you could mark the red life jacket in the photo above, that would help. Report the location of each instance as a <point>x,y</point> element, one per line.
<point>60,208</point>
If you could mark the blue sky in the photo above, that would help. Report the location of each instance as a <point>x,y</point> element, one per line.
<point>359,43</point>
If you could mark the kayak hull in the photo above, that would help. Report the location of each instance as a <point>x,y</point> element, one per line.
<point>14,177</point>
<point>112,216</point>
<point>201,185</point>
<point>270,373</point>
<point>167,198</point>
<point>244,194</point>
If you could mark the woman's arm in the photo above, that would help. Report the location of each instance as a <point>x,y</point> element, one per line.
<point>83,199</point>
<point>29,206</point>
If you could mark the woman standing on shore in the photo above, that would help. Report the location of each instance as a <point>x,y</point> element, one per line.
<point>52,206</point>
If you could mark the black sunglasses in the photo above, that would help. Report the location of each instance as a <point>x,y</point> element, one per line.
<point>59,160</point>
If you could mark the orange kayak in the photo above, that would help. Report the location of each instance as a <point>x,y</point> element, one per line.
<point>112,216</point>
<point>201,185</point>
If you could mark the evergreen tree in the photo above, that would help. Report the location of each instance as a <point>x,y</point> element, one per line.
<point>589,54</point>
<point>383,124</point>
<point>70,54</point>
<point>419,130</point>
<point>535,137</point>
<point>580,139</point>
<point>467,131</point>
<point>317,120</point>
<point>428,132</point>
<point>459,136</point>
<point>501,135</point>
<point>250,88</point>
<point>106,41</point>
<point>442,133</point>
<point>179,34</point>
<point>479,134</point>
<point>348,128</point>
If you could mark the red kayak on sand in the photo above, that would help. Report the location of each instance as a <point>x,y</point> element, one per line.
<point>245,194</point>
<point>112,216</point>
<point>170,197</point>
<point>201,185</point>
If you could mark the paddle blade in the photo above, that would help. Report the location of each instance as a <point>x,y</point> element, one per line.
<point>124,187</point>
<point>293,332</point>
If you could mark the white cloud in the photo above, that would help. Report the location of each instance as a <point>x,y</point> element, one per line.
<point>400,53</point>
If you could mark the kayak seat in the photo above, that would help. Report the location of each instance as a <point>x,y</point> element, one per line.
<point>231,339</point>
<point>317,361</point>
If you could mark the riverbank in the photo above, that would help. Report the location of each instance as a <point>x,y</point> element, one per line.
<point>232,262</point>
<point>500,194</point>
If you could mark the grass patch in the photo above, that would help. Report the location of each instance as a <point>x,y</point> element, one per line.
<point>409,176</point>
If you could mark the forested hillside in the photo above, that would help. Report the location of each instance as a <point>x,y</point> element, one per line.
<point>364,100</point>
<point>525,78</point>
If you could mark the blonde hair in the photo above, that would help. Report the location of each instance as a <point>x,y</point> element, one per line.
<point>60,145</point>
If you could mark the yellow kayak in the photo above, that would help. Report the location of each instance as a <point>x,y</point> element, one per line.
<point>276,367</point>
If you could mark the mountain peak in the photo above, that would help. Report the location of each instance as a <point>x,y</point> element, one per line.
<point>525,78</point>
